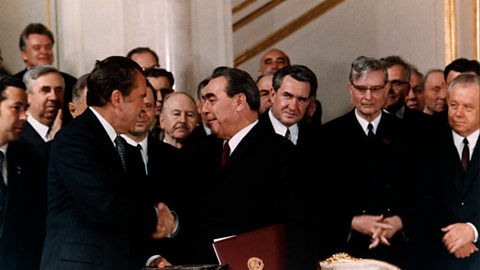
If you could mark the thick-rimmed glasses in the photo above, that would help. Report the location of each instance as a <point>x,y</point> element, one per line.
<point>362,89</point>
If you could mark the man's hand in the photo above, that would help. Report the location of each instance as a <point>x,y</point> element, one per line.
<point>457,235</point>
<point>368,224</point>
<point>465,251</point>
<point>372,226</point>
<point>165,222</point>
<point>56,125</point>
<point>160,263</point>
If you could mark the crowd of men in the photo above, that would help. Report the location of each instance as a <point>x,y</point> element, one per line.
<point>117,170</point>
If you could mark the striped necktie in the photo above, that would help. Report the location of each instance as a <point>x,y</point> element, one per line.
<point>121,151</point>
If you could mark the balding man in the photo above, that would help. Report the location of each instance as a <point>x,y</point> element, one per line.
<point>273,60</point>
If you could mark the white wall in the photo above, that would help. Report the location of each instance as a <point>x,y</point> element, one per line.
<point>191,37</point>
<point>410,28</point>
<point>194,36</point>
<point>14,16</point>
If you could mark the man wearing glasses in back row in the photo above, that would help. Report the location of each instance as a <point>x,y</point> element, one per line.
<point>398,77</point>
<point>364,154</point>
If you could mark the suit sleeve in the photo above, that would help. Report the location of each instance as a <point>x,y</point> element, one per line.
<point>89,171</point>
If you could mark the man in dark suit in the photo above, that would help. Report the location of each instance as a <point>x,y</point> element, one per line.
<point>96,209</point>
<point>36,48</point>
<point>363,153</point>
<point>251,186</point>
<point>45,95</point>
<point>161,181</point>
<point>21,236</point>
<point>452,213</point>
<point>45,88</point>
<point>294,86</point>
<point>399,73</point>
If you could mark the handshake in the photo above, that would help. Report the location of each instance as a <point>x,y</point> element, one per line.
<point>167,222</point>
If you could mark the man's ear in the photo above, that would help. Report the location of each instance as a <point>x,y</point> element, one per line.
<point>116,98</point>
<point>23,54</point>
<point>72,107</point>
<point>240,101</point>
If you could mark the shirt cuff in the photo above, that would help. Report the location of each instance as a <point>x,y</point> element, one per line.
<point>151,259</point>
<point>177,225</point>
<point>475,231</point>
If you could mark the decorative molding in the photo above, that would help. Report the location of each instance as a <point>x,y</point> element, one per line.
<point>286,30</point>
<point>242,5</point>
<point>256,13</point>
<point>450,31</point>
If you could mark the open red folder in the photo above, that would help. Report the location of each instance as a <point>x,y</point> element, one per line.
<point>260,249</point>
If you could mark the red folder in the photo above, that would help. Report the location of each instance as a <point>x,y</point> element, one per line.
<point>263,249</point>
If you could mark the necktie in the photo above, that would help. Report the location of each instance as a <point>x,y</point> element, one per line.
<point>225,154</point>
<point>121,151</point>
<point>142,158</point>
<point>465,155</point>
<point>287,134</point>
<point>370,135</point>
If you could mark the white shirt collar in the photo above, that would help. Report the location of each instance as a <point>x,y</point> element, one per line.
<point>281,129</point>
<point>3,149</point>
<point>40,128</point>
<point>364,123</point>
<point>112,134</point>
<point>472,141</point>
<point>237,138</point>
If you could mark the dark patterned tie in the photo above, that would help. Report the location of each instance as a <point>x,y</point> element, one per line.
<point>370,135</point>
<point>225,154</point>
<point>465,155</point>
<point>287,134</point>
<point>121,151</point>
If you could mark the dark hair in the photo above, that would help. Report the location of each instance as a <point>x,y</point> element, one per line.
<point>462,65</point>
<point>7,81</point>
<point>239,82</point>
<point>394,60</point>
<point>34,28</point>
<point>150,86</point>
<point>112,73</point>
<point>299,73</point>
<point>143,50</point>
<point>160,72</point>
<point>78,87</point>
<point>201,85</point>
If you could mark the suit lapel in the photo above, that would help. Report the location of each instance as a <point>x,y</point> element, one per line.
<point>31,136</point>
<point>104,140</point>
<point>248,142</point>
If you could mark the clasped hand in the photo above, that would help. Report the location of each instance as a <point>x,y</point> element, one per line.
<point>165,222</point>
<point>379,228</point>
<point>458,240</point>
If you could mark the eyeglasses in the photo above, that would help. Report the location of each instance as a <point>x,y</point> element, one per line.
<point>398,83</point>
<point>375,90</point>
